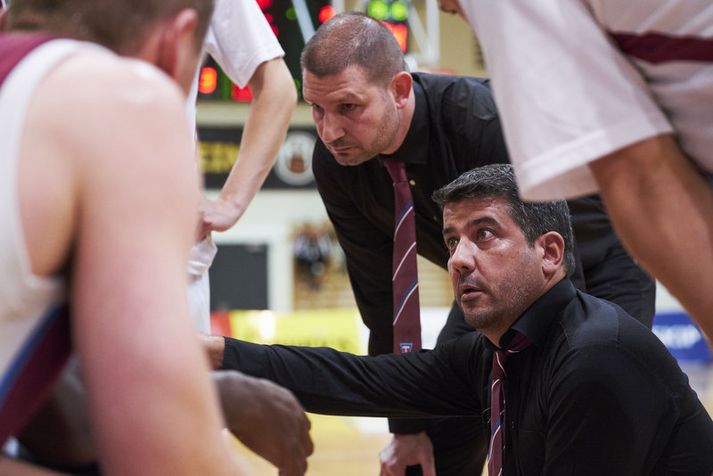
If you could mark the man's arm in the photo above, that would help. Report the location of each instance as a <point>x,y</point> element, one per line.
<point>338,383</point>
<point>274,100</point>
<point>267,419</point>
<point>150,401</point>
<point>662,209</point>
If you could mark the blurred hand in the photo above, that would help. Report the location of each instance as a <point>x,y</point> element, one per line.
<point>214,347</point>
<point>266,418</point>
<point>218,215</point>
<point>407,450</point>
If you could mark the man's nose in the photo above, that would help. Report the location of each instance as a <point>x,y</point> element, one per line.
<point>463,258</point>
<point>331,129</point>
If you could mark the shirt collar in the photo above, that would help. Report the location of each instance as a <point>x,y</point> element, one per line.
<point>414,149</point>
<point>536,320</point>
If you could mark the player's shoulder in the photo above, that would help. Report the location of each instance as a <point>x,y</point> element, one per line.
<point>103,99</point>
<point>94,90</point>
<point>95,74</point>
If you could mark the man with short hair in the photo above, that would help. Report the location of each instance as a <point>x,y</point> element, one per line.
<point>99,200</point>
<point>614,97</point>
<point>581,387</point>
<point>369,112</point>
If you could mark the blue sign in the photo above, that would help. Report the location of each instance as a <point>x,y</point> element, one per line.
<point>682,337</point>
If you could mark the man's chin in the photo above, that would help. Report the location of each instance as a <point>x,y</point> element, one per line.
<point>349,160</point>
<point>477,316</point>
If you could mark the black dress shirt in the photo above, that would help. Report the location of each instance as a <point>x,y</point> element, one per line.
<point>455,128</point>
<point>595,394</point>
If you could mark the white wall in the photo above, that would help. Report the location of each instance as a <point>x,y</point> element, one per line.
<point>270,219</point>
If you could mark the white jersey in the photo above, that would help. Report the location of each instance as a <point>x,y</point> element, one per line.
<point>239,39</point>
<point>575,80</point>
<point>33,321</point>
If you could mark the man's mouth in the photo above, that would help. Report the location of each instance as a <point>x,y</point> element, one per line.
<point>341,150</point>
<point>468,292</point>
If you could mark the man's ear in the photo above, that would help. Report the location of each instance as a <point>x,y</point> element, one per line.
<point>552,246</point>
<point>176,44</point>
<point>400,86</point>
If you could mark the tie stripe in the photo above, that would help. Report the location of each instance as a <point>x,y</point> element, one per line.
<point>404,301</point>
<point>403,260</point>
<point>406,310</point>
<point>403,216</point>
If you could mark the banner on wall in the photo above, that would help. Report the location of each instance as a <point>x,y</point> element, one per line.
<point>337,328</point>
<point>681,337</point>
<point>219,148</point>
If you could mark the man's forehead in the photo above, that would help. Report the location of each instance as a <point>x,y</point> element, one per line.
<point>470,209</point>
<point>348,84</point>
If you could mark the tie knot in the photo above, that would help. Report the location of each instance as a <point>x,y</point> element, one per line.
<point>515,344</point>
<point>397,170</point>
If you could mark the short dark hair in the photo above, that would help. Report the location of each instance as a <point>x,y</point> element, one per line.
<point>120,25</point>
<point>534,218</point>
<point>353,39</point>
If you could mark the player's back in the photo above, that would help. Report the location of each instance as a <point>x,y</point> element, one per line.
<point>49,116</point>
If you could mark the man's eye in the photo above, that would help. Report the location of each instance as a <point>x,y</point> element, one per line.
<point>451,244</point>
<point>348,107</point>
<point>484,234</point>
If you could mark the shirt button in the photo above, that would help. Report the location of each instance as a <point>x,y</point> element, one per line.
<point>412,182</point>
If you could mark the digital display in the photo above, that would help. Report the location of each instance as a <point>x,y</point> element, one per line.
<point>293,22</point>
<point>394,15</point>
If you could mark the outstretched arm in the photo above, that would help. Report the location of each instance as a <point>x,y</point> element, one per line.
<point>274,100</point>
<point>267,419</point>
<point>662,209</point>
<point>338,383</point>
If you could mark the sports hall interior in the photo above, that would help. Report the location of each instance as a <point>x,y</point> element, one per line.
<point>280,276</point>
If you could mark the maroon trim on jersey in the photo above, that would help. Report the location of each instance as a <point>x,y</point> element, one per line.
<point>661,48</point>
<point>15,46</point>
<point>34,372</point>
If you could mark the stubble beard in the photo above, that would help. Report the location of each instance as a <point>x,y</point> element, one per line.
<point>512,299</point>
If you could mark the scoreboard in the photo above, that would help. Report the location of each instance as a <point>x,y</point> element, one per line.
<point>293,22</point>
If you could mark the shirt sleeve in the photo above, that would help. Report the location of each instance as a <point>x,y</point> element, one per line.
<point>337,383</point>
<point>566,95</point>
<point>240,39</point>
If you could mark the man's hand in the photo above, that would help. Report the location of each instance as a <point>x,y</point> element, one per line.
<point>267,419</point>
<point>214,347</point>
<point>218,215</point>
<point>407,450</point>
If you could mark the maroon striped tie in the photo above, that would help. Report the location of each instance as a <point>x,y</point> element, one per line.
<point>497,402</point>
<point>406,317</point>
